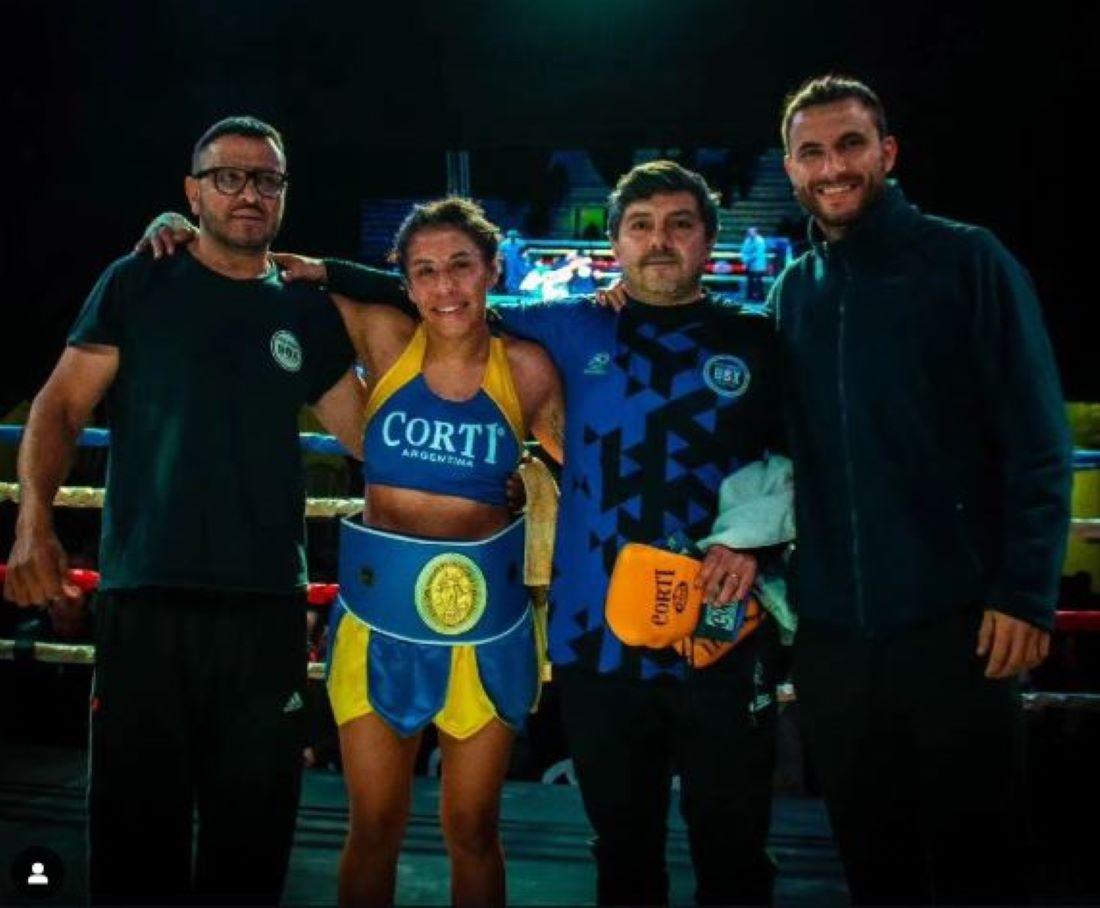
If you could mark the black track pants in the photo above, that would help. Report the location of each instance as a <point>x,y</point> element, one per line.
<point>718,731</point>
<point>921,761</point>
<point>197,711</point>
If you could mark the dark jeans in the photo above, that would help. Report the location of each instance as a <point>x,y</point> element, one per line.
<point>920,758</point>
<point>754,286</point>
<point>718,730</point>
<point>197,703</point>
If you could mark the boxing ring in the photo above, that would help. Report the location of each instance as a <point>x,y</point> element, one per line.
<point>544,828</point>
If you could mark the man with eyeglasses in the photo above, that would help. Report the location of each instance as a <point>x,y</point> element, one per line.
<point>205,360</point>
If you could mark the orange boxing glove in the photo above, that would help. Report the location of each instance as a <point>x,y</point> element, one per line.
<point>652,601</point>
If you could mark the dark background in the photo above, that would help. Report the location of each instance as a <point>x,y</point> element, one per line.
<point>103,101</point>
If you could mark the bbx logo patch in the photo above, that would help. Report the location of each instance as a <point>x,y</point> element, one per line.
<point>726,375</point>
<point>286,350</point>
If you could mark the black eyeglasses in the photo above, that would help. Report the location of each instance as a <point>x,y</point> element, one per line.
<point>232,180</point>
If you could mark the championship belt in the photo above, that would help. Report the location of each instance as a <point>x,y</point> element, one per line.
<point>434,591</point>
<point>652,601</point>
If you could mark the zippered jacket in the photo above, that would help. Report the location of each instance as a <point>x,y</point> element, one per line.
<point>927,427</point>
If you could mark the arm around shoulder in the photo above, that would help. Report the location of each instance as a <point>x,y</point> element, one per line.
<point>548,324</point>
<point>360,284</point>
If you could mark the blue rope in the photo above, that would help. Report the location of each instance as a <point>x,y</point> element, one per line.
<point>315,443</point>
<point>311,442</point>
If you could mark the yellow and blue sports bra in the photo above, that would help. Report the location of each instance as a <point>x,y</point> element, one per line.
<point>415,439</point>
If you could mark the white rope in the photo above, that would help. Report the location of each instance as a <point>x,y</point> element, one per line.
<point>86,497</point>
<point>84,654</point>
<point>1087,528</point>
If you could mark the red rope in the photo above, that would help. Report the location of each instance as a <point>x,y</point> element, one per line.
<point>87,581</point>
<point>1077,621</point>
<point>325,593</point>
<point>321,593</point>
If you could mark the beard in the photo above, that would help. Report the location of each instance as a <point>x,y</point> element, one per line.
<point>241,236</point>
<point>672,283</point>
<point>873,187</point>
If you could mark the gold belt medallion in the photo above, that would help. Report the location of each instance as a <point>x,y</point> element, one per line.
<point>450,594</point>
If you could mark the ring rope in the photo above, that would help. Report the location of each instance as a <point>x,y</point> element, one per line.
<point>87,497</point>
<point>87,581</point>
<point>310,442</point>
<point>320,594</point>
<point>1087,528</point>
<point>84,654</point>
<point>325,593</point>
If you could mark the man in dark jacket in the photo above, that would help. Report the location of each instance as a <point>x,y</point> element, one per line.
<point>932,468</point>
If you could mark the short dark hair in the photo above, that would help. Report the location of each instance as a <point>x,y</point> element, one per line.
<point>830,89</point>
<point>453,211</point>
<point>249,127</point>
<point>654,177</point>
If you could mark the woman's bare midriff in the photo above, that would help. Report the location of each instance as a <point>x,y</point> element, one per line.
<point>432,515</point>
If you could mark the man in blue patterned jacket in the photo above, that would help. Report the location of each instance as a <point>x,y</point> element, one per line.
<point>664,400</point>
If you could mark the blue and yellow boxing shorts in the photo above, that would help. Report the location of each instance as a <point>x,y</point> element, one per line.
<point>432,630</point>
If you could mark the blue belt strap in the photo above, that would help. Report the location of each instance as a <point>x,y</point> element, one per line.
<point>434,591</point>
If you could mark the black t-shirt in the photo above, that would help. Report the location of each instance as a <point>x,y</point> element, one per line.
<point>204,480</point>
